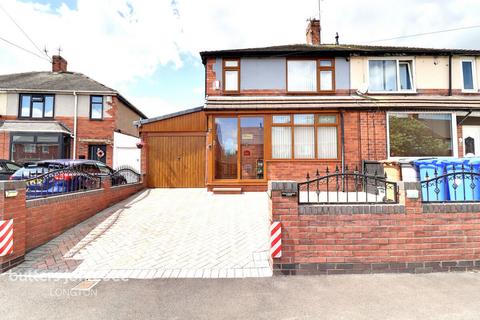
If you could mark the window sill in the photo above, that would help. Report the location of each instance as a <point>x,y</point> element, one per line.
<point>409,92</point>
<point>39,119</point>
<point>303,160</point>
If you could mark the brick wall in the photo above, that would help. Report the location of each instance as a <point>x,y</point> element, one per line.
<point>406,237</point>
<point>38,221</point>
<point>4,145</point>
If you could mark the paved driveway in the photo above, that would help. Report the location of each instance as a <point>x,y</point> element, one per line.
<point>163,233</point>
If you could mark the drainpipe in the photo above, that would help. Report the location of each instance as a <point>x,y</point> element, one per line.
<point>342,128</point>
<point>75,118</point>
<point>450,75</point>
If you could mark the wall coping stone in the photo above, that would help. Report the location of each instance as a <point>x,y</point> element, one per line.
<point>287,186</point>
<point>12,185</point>
<point>63,197</point>
<point>352,209</point>
<point>446,207</point>
<point>127,185</point>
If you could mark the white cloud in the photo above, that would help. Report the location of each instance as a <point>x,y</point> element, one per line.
<point>118,42</point>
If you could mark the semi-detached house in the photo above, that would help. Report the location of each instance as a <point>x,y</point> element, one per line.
<point>279,112</point>
<point>62,114</point>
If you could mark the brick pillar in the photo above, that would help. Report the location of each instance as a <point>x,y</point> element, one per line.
<point>284,208</point>
<point>413,205</point>
<point>14,207</point>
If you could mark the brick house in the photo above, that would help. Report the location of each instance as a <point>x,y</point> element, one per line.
<point>309,106</point>
<point>61,114</point>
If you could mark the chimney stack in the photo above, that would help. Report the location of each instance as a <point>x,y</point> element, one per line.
<point>59,64</point>
<point>313,32</point>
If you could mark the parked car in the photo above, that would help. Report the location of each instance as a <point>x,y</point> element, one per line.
<point>7,168</point>
<point>62,182</point>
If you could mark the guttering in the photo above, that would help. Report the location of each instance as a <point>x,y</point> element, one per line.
<point>7,90</point>
<point>75,119</point>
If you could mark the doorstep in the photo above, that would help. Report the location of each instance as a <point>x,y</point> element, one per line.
<point>227,190</point>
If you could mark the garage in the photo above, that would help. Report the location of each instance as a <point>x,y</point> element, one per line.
<point>175,148</point>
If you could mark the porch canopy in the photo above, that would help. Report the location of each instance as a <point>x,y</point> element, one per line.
<point>34,126</point>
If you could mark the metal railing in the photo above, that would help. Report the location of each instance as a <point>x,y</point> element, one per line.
<point>348,187</point>
<point>57,182</point>
<point>125,175</point>
<point>452,185</point>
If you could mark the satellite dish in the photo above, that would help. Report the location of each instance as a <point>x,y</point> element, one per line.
<point>363,89</point>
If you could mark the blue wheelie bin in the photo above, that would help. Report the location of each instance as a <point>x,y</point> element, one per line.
<point>458,183</point>
<point>437,190</point>
<point>473,164</point>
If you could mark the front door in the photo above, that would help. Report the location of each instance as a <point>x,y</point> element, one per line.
<point>471,140</point>
<point>97,152</point>
<point>239,148</point>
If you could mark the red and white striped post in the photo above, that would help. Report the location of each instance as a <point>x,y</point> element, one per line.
<point>276,239</point>
<point>6,237</point>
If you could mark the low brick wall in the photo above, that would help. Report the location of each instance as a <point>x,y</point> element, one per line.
<point>38,221</point>
<point>405,237</point>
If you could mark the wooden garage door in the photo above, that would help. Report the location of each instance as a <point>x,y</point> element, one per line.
<point>176,162</point>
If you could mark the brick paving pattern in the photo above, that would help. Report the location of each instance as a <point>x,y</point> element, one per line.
<point>163,233</point>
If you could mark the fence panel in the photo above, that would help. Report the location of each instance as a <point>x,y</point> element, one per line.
<point>347,187</point>
<point>458,184</point>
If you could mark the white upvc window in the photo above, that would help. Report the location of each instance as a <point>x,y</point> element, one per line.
<point>469,79</point>
<point>391,75</point>
<point>420,134</point>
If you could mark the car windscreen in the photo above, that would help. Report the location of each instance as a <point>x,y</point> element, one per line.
<point>29,172</point>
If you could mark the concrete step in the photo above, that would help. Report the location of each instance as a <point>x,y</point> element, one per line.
<point>227,190</point>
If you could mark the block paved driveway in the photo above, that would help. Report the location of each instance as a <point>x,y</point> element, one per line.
<point>163,233</point>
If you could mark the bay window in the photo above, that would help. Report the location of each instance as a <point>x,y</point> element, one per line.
<point>390,75</point>
<point>420,134</point>
<point>310,75</point>
<point>305,136</point>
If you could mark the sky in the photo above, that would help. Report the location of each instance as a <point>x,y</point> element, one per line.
<point>148,50</point>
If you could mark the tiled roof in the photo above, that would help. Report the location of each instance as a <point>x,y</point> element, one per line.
<point>58,82</point>
<point>44,80</point>
<point>339,49</point>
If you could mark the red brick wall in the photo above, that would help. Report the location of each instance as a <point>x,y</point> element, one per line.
<point>4,145</point>
<point>413,241</point>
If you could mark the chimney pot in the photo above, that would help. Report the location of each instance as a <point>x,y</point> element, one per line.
<point>59,64</point>
<point>313,32</point>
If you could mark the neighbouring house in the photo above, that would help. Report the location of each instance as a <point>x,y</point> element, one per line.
<point>277,113</point>
<point>63,114</point>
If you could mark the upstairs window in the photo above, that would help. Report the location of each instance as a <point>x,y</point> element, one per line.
<point>310,76</point>
<point>231,75</point>
<point>36,106</point>
<point>390,75</point>
<point>468,75</point>
<point>96,107</point>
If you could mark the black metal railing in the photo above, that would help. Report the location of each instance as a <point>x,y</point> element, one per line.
<point>452,185</point>
<point>125,175</point>
<point>347,187</point>
<point>41,184</point>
